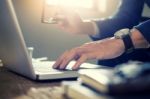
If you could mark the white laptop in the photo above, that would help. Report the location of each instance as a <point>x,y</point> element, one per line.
<point>13,51</point>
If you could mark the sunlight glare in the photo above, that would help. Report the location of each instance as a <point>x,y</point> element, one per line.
<point>72,3</point>
<point>102,5</point>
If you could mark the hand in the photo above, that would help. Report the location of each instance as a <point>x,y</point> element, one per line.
<point>69,21</point>
<point>104,49</point>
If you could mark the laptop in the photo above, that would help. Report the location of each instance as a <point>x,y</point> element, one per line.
<point>14,54</point>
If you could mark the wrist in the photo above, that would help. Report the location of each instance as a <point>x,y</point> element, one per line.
<point>120,44</point>
<point>125,36</point>
<point>89,28</point>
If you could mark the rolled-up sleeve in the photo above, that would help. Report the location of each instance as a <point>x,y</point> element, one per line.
<point>127,16</point>
<point>144,28</point>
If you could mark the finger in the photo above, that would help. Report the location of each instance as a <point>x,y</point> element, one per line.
<point>81,60</point>
<point>67,59</point>
<point>61,20</point>
<point>59,60</point>
<point>63,24</point>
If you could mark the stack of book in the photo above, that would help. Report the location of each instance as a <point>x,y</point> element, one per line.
<point>81,89</point>
<point>103,83</point>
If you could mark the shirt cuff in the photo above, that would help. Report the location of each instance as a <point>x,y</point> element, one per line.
<point>144,29</point>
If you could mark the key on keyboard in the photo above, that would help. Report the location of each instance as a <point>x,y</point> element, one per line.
<point>44,67</point>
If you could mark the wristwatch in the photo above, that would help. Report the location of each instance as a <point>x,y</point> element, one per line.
<point>125,35</point>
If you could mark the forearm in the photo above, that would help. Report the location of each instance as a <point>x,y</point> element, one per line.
<point>128,15</point>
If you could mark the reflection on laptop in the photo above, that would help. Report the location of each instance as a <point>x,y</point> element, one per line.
<point>13,50</point>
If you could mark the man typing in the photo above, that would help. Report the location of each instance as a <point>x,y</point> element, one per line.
<point>111,45</point>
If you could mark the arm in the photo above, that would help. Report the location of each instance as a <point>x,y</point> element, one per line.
<point>105,49</point>
<point>128,15</point>
<point>144,29</point>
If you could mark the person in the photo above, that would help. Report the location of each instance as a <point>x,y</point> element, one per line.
<point>107,48</point>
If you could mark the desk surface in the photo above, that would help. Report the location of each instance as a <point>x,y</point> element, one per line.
<point>12,85</point>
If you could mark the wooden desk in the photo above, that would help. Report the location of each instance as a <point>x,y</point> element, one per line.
<point>12,85</point>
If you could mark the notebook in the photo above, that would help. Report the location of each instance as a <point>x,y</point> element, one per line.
<point>124,79</point>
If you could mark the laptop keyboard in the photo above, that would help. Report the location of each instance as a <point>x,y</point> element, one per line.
<point>44,67</point>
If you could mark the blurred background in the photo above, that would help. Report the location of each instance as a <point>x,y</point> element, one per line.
<point>49,41</point>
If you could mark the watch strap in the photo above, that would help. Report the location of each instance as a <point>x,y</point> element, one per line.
<point>129,47</point>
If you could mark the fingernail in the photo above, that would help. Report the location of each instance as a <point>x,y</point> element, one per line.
<point>54,66</point>
<point>61,67</point>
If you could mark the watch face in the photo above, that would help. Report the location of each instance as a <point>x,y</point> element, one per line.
<point>121,33</point>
